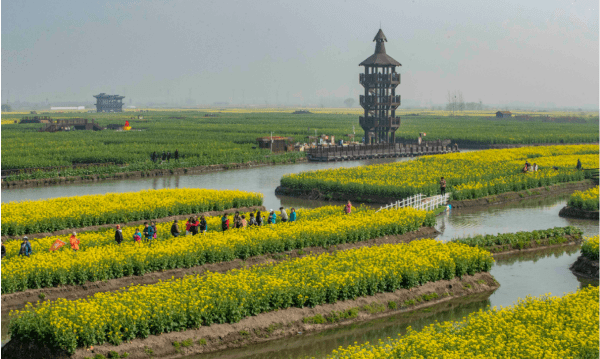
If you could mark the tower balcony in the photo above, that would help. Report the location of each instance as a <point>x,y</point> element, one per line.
<point>372,100</point>
<point>367,79</point>
<point>370,122</point>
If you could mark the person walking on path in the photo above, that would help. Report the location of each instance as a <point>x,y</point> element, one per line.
<point>203,225</point>
<point>137,236</point>
<point>272,219</point>
<point>25,248</point>
<point>118,235</point>
<point>155,234</point>
<point>175,229</point>
<point>188,226</point>
<point>148,232</point>
<point>292,215</point>
<point>3,252</point>
<point>74,242</point>
<point>237,220</point>
<point>164,156</point>
<point>348,208</point>
<point>224,222</point>
<point>443,186</point>
<point>578,164</point>
<point>176,155</point>
<point>252,220</point>
<point>284,216</point>
<point>535,167</point>
<point>244,222</point>
<point>259,219</point>
<point>194,225</point>
<point>168,156</point>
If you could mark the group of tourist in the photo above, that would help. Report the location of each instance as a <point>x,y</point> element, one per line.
<point>166,156</point>
<point>529,167</point>
<point>194,225</point>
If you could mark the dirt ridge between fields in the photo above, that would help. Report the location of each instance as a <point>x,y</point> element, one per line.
<point>18,300</point>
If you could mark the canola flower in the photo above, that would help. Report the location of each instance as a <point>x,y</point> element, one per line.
<point>586,200</point>
<point>48,269</point>
<point>80,211</point>
<point>589,248</point>
<point>192,301</point>
<point>542,327</point>
<point>103,237</point>
<point>520,240</point>
<point>468,175</point>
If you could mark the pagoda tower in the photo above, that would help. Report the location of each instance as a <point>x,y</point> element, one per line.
<point>380,100</point>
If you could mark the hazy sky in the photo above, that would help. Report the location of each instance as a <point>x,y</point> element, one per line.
<point>539,51</point>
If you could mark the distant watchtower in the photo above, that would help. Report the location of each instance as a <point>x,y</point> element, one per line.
<point>109,103</point>
<point>380,100</point>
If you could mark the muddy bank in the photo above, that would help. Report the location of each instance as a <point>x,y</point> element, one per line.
<point>282,323</point>
<point>585,267</point>
<point>532,246</point>
<point>567,187</point>
<point>183,217</point>
<point>138,174</point>
<point>572,212</point>
<point>18,300</point>
<point>316,194</point>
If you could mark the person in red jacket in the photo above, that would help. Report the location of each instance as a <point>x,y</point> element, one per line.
<point>74,241</point>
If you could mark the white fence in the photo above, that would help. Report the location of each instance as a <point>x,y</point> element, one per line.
<point>419,201</point>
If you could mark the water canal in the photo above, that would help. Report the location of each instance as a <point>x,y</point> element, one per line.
<point>529,273</point>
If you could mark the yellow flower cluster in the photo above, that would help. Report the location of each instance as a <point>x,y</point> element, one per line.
<point>545,327</point>
<point>109,260</point>
<point>586,200</point>
<point>589,248</point>
<point>219,298</point>
<point>92,239</point>
<point>80,211</point>
<point>468,175</point>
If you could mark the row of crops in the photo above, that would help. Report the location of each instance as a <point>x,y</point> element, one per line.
<point>586,200</point>
<point>543,327</point>
<point>105,259</point>
<point>468,175</point>
<point>81,211</point>
<point>140,311</point>
<point>230,138</point>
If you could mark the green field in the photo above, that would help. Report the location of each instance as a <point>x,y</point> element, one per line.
<point>230,137</point>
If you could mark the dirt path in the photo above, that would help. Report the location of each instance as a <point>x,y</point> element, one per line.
<point>18,300</point>
<point>137,223</point>
<point>277,324</point>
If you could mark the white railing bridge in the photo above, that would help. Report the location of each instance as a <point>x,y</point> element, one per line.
<point>419,201</point>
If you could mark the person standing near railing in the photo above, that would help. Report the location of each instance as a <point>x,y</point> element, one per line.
<point>443,186</point>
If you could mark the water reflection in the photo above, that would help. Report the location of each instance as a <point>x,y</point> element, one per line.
<point>261,179</point>
<point>321,344</point>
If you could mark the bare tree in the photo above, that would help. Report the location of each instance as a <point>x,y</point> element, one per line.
<point>460,101</point>
<point>349,102</point>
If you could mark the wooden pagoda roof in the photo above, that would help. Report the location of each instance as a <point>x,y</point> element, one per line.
<point>380,58</point>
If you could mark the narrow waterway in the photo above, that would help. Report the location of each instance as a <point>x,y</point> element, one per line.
<point>260,179</point>
<point>528,273</point>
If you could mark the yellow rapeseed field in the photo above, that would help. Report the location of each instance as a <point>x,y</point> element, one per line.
<point>544,327</point>
<point>49,215</point>
<point>109,260</point>
<point>192,301</point>
<point>468,175</point>
<point>587,200</point>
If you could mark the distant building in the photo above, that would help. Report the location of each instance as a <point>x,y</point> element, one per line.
<point>276,143</point>
<point>501,114</point>
<point>67,107</point>
<point>109,103</point>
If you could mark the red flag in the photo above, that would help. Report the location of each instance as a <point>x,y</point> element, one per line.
<point>56,245</point>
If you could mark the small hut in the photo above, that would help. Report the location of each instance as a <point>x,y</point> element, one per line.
<point>502,114</point>
<point>276,143</point>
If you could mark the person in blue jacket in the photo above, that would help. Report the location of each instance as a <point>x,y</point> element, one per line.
<point>292,215</point>
<point>25,248</point>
